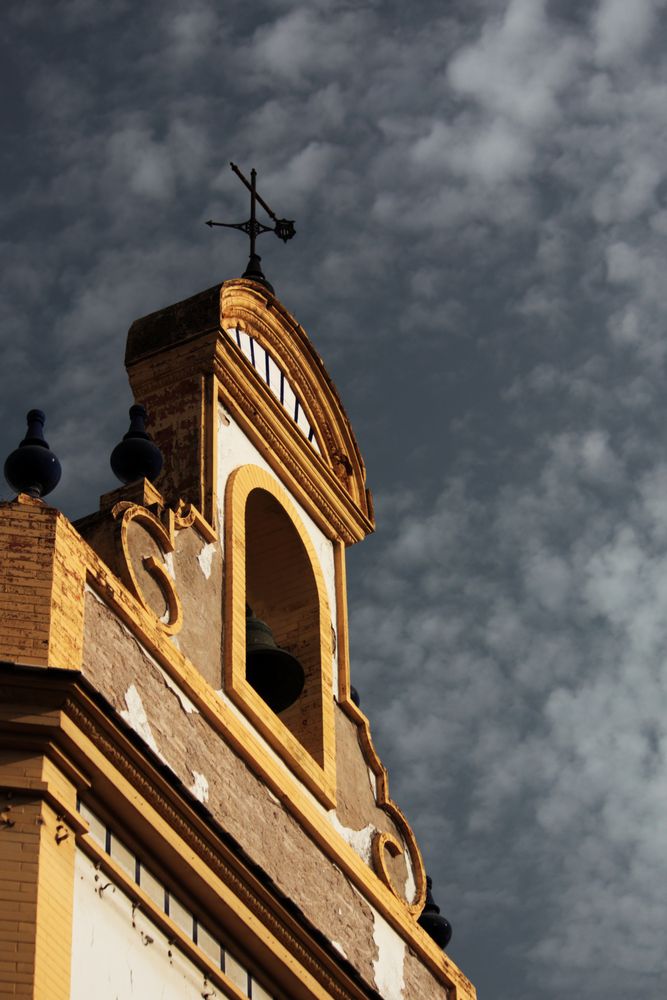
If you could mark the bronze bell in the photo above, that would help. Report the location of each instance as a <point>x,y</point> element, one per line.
<point>275,674</point>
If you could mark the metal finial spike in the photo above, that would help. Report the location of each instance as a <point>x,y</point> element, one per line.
<point>255,273</point>
<point>32,468</point>
<point>136,456</point>
<point>283,228</point>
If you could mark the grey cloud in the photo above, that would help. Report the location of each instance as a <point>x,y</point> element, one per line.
<point>478,198</point>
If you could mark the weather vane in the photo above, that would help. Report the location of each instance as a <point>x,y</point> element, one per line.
<point>283,228</point>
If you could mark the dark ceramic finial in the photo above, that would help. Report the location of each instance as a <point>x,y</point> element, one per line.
<point>255,273</point>
<point>33,468</point>
<point>354,695</point>
<point>435,925</point>
<point>137,456</point>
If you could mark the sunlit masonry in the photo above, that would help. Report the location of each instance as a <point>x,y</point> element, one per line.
<point>191,803</point>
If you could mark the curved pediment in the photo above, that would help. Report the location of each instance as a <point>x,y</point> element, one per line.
<point>236,344</point>
<point>269,358</point>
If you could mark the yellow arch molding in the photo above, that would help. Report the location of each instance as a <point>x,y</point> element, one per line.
<point>320,779</point>
<point>244,306</point>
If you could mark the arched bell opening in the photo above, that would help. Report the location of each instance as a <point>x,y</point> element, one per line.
<point>282,592</point>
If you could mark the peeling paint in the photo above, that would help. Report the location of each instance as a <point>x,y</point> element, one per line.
<point>136,717</point>
<point>374,783</point>
<point>91,590</point>
<point>388,967</point>
<point>169,564</point>
<point>200,786</point>
<point>339,948</point>
<point>359,840</point>
<point>268,749</point>
<point>205,558</point>
<point>410,883</point>
<point>186,704</point>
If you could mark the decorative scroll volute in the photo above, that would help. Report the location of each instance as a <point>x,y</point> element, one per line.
<point>163,536</point>
<point>386,843</point>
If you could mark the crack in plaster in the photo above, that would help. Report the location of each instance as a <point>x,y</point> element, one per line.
<point>187,705</point>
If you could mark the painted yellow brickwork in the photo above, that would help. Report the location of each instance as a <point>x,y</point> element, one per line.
<point>36,878</point>
<point>45,567</point>
<point>19,852</point>
<point>41,548</point>
<point>54,907</point>
<point>42,579</point>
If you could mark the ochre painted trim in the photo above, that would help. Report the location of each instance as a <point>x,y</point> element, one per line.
<point>85,567</point>
<point>164,536</point>
<point>159,917</point>
<point>330,485</point>
<point>210,450</point>
<point>320,780</point>
<point>368,750</point>
<point>276,776</point>
<point>264,422</point>
<point>245,305</point>
<point>166,826</point>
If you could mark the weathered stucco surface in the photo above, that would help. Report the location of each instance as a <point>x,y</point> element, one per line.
<point>115,662</point>
<point>356,807</point>
<point>138,688</point>
<point>418,980</point>
<point>195,566</point>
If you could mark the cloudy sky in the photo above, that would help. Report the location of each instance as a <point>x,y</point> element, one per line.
<point>480,193</point>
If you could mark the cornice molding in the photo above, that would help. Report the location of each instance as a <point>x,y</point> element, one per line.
<point>192,832</point>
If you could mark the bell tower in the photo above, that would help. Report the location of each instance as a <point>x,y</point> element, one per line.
<point>216,820</point>
<point>254,436</point>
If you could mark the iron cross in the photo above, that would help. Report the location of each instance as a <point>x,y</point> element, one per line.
<point>283,228</point>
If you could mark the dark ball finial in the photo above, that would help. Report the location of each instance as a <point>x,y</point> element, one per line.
<point>354,696</point>
<point>136,456</point>
<point>433,923</point>
<point>33,468</point>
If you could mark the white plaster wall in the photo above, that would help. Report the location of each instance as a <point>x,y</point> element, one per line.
<point>120,954</point>
<point>235,450</point>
